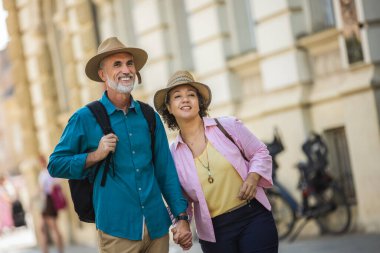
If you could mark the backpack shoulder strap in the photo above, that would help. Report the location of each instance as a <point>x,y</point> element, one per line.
<point>224,131</point>
<point>150,117</point>
<point>101,116</point>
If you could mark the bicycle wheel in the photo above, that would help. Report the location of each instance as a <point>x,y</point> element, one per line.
<point>335,214</point>
<point>283,214</point>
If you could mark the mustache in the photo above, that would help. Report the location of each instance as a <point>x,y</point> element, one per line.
<point>129,75</point>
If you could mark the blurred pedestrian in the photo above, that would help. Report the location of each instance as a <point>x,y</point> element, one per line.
<point>49,225</point>
<point>223,178</point>
<point>6,219</point>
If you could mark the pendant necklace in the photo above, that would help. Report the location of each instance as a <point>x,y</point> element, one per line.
<point>207,167</point>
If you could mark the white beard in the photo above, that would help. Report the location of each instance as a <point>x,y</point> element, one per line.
<point>120,87</point>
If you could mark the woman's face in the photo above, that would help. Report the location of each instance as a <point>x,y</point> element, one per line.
<point>183,102</point>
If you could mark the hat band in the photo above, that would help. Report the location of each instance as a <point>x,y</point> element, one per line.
<point>181,79</point>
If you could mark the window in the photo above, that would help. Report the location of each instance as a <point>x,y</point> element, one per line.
<point>320,14</point>
<point>241,25</point>
<point>339,159</point>
<point>179,39</point>
<point>351,31</point>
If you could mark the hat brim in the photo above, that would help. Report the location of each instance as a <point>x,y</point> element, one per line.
<point>139,57</point>
<point>160,96</point>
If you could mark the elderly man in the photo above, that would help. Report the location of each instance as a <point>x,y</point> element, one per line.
<point>130,214</point>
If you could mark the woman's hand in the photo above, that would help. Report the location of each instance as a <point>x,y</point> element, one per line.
<point>248,189</point>
<point>182,234</point>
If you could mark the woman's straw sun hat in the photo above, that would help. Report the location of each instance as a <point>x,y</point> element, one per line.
<point>180,78</point>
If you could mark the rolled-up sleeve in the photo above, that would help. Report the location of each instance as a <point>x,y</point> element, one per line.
<point>256,151</point>
<point>69,157</point>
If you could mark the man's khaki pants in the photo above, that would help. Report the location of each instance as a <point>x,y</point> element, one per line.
<point>110,244</point>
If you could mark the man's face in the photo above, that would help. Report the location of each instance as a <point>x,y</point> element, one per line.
<point>119,72</point>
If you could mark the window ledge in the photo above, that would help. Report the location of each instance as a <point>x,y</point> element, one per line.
<point>240,61</point>
<point>318,39</point>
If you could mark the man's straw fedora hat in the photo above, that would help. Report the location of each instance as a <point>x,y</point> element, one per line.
<point>180,78</point>
<point>109,47</point>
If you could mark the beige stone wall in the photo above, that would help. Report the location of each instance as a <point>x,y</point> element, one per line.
<point>10,143</point>
<point>363,137</point>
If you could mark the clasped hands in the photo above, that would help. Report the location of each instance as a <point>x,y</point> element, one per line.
<point>182,234</point>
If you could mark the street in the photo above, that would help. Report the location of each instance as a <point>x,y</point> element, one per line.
<point>22,240</point>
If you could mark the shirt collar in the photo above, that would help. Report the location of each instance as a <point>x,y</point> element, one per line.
<point>206,123</point>
<point>111,108</point>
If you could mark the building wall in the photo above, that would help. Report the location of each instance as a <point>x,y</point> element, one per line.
<point>270,63</point>
<point>9,127</point>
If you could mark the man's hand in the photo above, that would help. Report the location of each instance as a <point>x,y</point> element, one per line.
<point>182,234</point>
<point>106,145</point>
<point>248,189</point>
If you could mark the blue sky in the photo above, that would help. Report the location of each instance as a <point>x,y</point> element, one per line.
<point>3,28</point>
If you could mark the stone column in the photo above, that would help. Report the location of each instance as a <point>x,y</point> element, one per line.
<point>58,39</point>
<point>20,79</point>
<point>286,78</point>
<point>211,46</point>
<point>82,37</point>
<point>284,66</point>
<point>38,71</point>
<point>361,93</point>
<point>151,28</point>
<point>29,138</point>
<point>106,16</point>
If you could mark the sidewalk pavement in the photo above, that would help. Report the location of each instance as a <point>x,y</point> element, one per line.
<point>23,241</point>
<point>348,243</point>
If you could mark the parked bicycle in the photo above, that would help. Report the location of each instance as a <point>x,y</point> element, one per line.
<point>322,198</point>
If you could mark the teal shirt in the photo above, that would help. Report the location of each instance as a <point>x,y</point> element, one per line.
<point>135,186</point>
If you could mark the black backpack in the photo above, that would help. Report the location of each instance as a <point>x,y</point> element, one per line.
<point>81,190</point>
<point>18,214</point>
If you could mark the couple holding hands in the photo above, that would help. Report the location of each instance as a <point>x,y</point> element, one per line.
<point>215,171</point>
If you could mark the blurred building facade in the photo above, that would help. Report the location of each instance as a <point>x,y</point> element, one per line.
<point>298,65</point>
<point>9,141</point>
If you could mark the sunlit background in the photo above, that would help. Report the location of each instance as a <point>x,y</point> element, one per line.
<point>3,29</point>
<point>299,66</point>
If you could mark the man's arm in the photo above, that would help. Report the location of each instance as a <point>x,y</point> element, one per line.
<point>167,178</point>
<point>69,157</point>
<point>166,172</point>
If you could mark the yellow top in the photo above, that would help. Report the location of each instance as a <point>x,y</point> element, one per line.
<point>222,194</point>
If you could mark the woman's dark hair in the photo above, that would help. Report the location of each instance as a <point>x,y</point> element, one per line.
<point>170,120</point>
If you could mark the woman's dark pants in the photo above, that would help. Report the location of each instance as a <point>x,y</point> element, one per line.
<point>249,229</point>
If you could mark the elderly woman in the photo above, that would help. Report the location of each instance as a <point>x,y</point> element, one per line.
<point>223,178</point>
